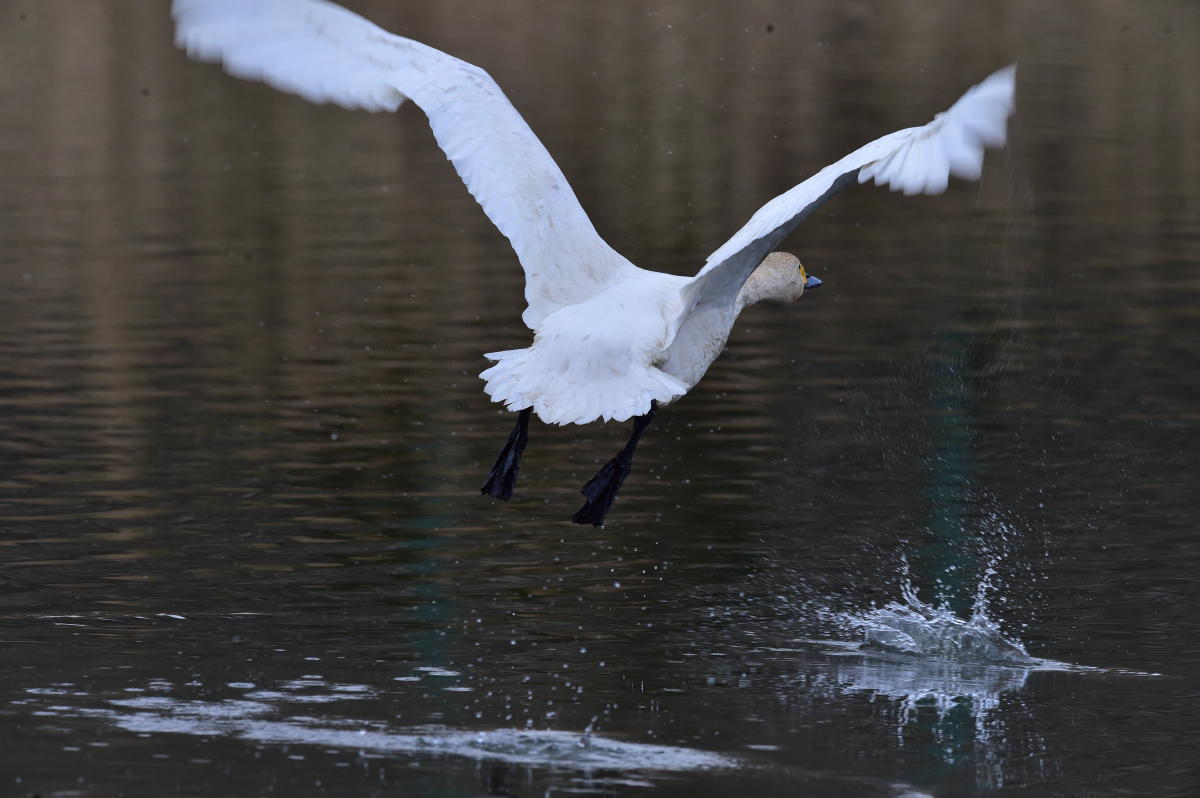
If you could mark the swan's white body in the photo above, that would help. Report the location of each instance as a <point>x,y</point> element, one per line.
<point>609,338</point>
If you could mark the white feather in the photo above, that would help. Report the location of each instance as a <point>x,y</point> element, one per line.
<point>325,53</point>
<point>917,160</point>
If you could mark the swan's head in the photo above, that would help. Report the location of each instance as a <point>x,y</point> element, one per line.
<point>779,278</point>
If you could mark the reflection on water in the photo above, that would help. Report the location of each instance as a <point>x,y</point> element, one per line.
<point>938,685</point>
<point>953,705</point>
<point>242,435</point>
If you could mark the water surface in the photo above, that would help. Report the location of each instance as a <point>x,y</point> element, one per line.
<point>242,547</point>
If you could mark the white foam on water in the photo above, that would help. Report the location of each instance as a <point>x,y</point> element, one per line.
<point>247,720</point>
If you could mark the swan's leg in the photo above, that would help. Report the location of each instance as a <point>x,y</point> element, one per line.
<point>503,477</point>
<point>602,488</point>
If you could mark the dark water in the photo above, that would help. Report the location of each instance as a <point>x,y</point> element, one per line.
<point>243,550</point>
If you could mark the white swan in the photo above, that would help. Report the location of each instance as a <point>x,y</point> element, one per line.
<point>611,340</point>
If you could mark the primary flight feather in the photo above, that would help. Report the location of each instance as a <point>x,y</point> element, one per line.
<point>611,340</point>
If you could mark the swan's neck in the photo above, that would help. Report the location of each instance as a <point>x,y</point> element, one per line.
<point>765,285</point>
<point>777,278</point>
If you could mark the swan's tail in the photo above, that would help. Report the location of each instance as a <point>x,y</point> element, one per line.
<point>576,390</point>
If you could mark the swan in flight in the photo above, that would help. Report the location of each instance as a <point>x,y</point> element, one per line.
<point>611,340</point>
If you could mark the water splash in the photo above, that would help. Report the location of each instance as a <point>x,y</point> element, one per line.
<point>924,630</point>
<point>944,675</point>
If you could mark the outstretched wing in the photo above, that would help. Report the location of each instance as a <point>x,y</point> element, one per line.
<point>325,53</point>
<point>917,160</point>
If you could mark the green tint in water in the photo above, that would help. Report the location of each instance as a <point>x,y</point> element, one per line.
<point>948,560</point>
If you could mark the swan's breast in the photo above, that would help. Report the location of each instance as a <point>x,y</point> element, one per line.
<point>700,340</point>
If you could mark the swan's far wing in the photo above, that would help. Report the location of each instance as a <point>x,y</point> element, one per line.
<point>326,53</point>
<point>917,160</point>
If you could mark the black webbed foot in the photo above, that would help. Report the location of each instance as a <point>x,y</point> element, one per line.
<point>602,489</point>
<point>503,476</point>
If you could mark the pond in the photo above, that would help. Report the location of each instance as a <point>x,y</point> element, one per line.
<point>242,545</point>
